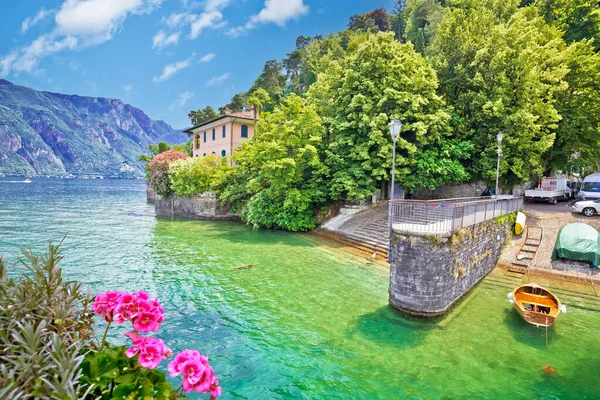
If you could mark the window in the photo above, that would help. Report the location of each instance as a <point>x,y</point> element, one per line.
<point>197,155</point>
<point>197,141</point>
<point>213,133</point>
<point>244,131</point>
<point>223,153</point>
<point>214,152</point>
<point>204,137</point>
<point>204,155</point>
<point>224,130</point>
<point>591,187</point>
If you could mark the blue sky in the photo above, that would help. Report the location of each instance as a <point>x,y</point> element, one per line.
<point>163,56</point>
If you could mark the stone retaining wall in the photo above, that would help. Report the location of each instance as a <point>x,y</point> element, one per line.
<point>202,206</point>
<point>429,274</point>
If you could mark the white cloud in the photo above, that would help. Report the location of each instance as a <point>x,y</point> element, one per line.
<point>207,20</point>
<point>171,69</point>
<point>78,24</point>
<point>217,80</point>
<point>29,21</point>
<point>162,40</point>
<point>278,12</point>
<point>215,5</point>
<point>208,57</point>
<point>181,100</point>
<point>175,20</point>
<point>127,88</point>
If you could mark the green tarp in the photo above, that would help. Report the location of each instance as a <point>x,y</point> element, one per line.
<point>578,242</point>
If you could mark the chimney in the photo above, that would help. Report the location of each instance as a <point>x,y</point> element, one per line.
<point>226,111</point>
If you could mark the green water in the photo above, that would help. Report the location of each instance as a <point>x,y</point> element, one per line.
<point>304,321</point>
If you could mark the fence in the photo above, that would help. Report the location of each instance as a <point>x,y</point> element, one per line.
<point>449,215</point>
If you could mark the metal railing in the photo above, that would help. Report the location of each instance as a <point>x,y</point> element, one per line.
<point>449,215</point>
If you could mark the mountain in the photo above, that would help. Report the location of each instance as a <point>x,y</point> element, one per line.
<point>43,133</point>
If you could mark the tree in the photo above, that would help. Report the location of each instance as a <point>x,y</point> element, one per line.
<point>578,19</point>
<point>280,178</point>
<point>154,150</point>
<point>272,81</point>
<point>379,79</point>
<point>502,76</point>
<point>374,21</point>
<point>200,116</point>
<point>258,99</point>
<point>421,19</point>
<point>237,103</point>
<point>577,144</point>
<point>398,24</point>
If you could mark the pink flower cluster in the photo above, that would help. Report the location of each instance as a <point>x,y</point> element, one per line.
<point>145,313</point>
<point>151,351</point>
<point>198,375</point>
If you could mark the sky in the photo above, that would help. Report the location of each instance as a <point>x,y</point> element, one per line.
<point>163,56</point>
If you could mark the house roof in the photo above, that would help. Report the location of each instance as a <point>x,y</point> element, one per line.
<point>248,115</point>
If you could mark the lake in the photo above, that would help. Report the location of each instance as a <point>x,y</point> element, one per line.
<point>306,321</point>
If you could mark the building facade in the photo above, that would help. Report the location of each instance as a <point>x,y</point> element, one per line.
<point>222,135</point>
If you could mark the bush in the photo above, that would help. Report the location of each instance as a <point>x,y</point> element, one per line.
<point>158,171</point>
<point>196,175</point>
<point>45,327</point>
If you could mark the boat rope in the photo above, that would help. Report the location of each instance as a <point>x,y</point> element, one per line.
<point>546,333</point>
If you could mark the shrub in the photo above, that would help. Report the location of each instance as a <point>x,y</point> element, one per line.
<point>196,175</point>
<point>158,171</point>
<point>45,326</point>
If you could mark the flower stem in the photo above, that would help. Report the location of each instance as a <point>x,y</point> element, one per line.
<point>104,337</point>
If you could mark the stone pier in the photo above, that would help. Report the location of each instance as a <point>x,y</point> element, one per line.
<point>202,206</point>
<point>429,273</point>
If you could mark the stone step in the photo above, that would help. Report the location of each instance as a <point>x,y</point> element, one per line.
<point>368,240</point>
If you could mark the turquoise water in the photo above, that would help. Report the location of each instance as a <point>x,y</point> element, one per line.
<point>305,321</point>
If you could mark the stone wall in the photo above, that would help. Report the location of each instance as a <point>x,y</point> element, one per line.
<point>451,191</point>
<point>150,195</point>
<point>202,206</point>
<point>429,274</point>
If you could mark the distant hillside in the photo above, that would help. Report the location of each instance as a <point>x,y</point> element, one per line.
<point>43,133</point>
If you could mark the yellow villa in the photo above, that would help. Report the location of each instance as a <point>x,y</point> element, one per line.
<point>222,135</point>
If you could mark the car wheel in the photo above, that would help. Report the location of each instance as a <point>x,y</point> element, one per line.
<point>554,200</point>
<point>589,212</point>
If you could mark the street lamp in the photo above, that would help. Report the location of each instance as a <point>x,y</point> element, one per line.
<point>395,128</point>
<point>499,136</point>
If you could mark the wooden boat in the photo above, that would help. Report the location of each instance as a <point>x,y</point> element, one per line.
<point>536,305</point>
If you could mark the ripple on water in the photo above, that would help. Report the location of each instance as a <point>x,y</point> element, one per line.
<point>301,323</point>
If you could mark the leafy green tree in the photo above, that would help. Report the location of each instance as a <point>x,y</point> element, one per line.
<point>578,19</point>
<point>154,149</point>
<point>421,19</point>
<point>196,175</point>
<point>258,99</point>
<point>577,144</point>
<point>280,178</point>
<point>272,80</point>
<point>380,79</point>
<point>502,76</point>
<point>439,165</point>
<point>398,23</point>
<point>200,116</point>
<point>236,105</point>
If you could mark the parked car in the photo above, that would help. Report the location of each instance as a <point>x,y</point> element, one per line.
<point>590,189</point>
<point>589,208</point>
<point>488,192</point>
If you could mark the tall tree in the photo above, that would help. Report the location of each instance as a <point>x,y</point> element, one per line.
<point>236,104</point>
<point>199,116</point>
<point>502,76</point>
<point>421,18</point>
<point>272,80</point>
<point>375,21</point>
<point>258,99</point>
<point>379,79</point>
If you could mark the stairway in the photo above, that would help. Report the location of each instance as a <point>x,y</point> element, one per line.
<point>529,249</point>
<point>366,231</point>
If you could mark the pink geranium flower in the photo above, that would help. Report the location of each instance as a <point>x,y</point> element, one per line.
<point>105,304</point>
<point>198,375</point>
<point>151,351</point>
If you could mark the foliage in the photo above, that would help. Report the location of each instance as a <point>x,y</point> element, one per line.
<point>374,21</point>
<point>441,165</point>
<point>279,170</point>
<point>421,18</point>
<point>158,171</point>
<point>45,325</point>
<point>502,76</point>
<point>258,99</point>
<point>299,77</point>
<point>236,104</point>
<point>577,145</point>
<point>578,19</point>
<point>202,115</point>
<point>378,80</point>
<point>197,175</point>
<point>272,80</point>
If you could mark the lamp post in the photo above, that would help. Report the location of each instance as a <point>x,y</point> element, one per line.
<point>499,136</point>
<point>395,128</point>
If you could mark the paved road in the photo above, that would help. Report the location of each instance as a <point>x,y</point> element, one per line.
<point>561,206</point>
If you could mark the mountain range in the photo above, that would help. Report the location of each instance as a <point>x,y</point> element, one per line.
<point>43,133</point>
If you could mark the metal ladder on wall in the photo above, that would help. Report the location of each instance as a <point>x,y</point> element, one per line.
<point>527,252</point>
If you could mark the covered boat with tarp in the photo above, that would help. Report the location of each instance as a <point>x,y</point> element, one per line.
<point>578,242</point>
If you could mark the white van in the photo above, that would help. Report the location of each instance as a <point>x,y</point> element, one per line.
<point>590,188</point>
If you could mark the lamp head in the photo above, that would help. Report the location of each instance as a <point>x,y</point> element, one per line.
<point>395,128</point>
<point>499,136</point>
